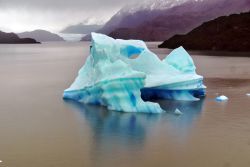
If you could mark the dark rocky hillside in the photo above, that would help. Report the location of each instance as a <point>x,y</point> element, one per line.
<point>12,38</point>
<point>227,33</point>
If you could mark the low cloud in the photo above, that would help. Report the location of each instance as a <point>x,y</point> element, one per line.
<point>53,15</point>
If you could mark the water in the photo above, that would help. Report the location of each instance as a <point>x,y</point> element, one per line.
<point>38,128</point>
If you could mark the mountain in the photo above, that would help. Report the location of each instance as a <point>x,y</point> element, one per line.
<point>133,15</point>
<point>226,33</point>
<point>41,36</point>
<point>81,29</point>
<point>12,38</point>
<point>158,22</point>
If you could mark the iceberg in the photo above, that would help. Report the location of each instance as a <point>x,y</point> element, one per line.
<point>177,112</point>
<point>125,75</point>
<point>221,98</point>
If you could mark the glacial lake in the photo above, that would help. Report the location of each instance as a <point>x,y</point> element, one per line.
<point>39,129</point>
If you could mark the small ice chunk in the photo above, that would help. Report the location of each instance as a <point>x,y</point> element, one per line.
<point>1,161</point>
<point>248,94</point>
<point>222,98</point>
<point>177,112</point>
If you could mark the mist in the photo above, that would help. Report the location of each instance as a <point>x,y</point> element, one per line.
<point>27,15</point>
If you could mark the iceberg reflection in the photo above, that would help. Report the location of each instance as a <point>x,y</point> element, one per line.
<point>130,128</point>
<point>113,133</point>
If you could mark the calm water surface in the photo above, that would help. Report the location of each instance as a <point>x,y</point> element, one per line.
<point>39,129</point>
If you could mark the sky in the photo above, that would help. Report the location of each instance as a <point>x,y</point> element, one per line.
<point>54,15</point>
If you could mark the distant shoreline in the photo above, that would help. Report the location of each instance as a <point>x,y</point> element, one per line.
<point>160,51</point>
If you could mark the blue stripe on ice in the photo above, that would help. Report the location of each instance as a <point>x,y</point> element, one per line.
<point>111,78</point>
<point>119,95</point>
<point>185,95</point>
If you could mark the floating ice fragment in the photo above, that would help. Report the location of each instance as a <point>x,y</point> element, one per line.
<point>222,98</point>
<point>177,112</point>
<point>248,94</point>
<point>121,74</point>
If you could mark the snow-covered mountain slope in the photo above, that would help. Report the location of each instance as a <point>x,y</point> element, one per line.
<point>157,20</point>
<point>150,5</point>
<point>135,14</point>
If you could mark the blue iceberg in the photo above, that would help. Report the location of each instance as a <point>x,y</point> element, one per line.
<point>124,75</point>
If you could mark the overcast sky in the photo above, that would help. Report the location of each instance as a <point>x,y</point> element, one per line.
<point>53,15</point>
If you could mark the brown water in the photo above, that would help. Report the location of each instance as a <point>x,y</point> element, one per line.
<point>39,129</point>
